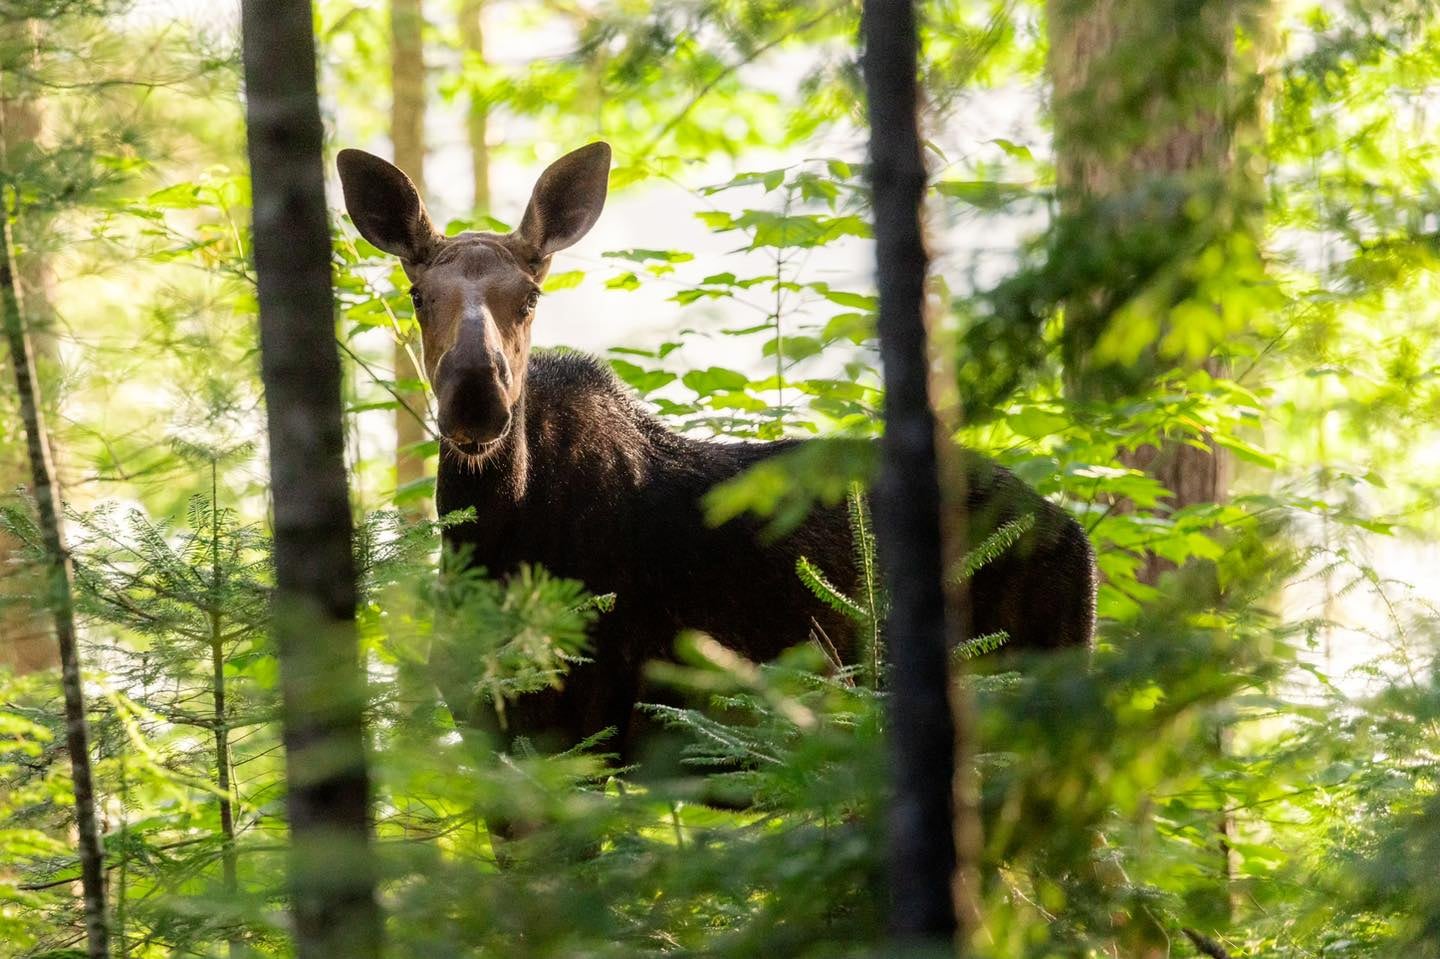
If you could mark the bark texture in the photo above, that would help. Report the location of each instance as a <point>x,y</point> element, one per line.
<point>407,135</point>
<point>1137,91</point>
<point>59,574</point>
<point>332,873</point>
<point>1146,93</point>
<point>1139,99</point>
<point>907,500</point>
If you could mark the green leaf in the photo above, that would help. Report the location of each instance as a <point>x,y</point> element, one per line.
<point>644,256</point>
<point>623,176</point>
<point>179,196</point>
<point>641,379</point>
<point>827,592</point>
<point>857,301</point>
<point>981,645</point>
<point>855,327</point>
<point>716,220</point>
<point>1246,452</point>
<point>714,379</point>
<point>996,545</point>
<point>1036,423</point>
<point>415,491</point>
<point>982,194</point>
<point>1012,149</point>
<point>792,347</point>
<point>563,281</point>
<point>481,224</point>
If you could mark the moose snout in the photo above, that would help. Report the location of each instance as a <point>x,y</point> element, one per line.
<point>474,401</point>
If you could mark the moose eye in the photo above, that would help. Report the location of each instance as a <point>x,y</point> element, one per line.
<point>416,298</point>
<point>530,303</point>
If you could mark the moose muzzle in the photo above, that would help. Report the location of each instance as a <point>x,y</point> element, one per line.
<point>473,388</point>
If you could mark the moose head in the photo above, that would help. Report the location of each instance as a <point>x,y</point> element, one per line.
<point>475,294</point>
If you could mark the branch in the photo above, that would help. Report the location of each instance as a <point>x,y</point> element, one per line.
<point>749,58</point>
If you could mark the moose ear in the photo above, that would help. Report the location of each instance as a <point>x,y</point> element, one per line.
<point>385,206</point>
<point>567,199</point>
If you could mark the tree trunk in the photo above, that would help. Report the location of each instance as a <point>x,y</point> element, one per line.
<point>59,575</point>
<point>407,135</point>
<point>25,645</point>
<point>332,873</point>
<point>229,866</point>
<point>477,117</point>
<point>907,502</point>
<point>1174,79</point>
<point>1139,98</point>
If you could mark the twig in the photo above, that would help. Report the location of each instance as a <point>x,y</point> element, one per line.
<point>1205,944</point>
<point>749,58</point>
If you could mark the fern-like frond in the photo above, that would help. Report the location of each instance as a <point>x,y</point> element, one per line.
<point>862,536</point>
<point>980,645</point>
<point>995,544</point>
<point>827,592</point>
<point>872,597</point>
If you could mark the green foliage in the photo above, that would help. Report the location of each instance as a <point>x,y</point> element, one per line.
<point>1279,679</point>
<point>505,639</point>
<point>995,544</point>
<point>828,593</point>
<point>868,610</point>
<point>786,486</point>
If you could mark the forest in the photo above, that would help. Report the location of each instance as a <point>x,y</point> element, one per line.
<point>724,478</point>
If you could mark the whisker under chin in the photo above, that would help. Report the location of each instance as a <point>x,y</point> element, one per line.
<point>473,455</point>
<point>450,453</point>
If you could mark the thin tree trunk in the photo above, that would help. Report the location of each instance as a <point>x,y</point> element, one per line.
<point>122,886</point>
<point>332,873</point>
<point>25,645</point>
<point>60,575</point>
<point>229,871</point>
<point>407,135</point>
<point>907,502</point>
<point>477,116</point>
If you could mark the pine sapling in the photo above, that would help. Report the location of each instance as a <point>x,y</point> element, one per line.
<point>867,611</point>
<point>867,608</point>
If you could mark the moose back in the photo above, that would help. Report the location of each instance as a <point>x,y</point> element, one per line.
<point>565,469</point>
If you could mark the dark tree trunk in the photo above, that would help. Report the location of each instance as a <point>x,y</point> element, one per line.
<point>331,870</point>
<point>60,575</point>
<point>907,500</point>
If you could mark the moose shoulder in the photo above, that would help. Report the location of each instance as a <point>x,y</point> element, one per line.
<point>565,469</point>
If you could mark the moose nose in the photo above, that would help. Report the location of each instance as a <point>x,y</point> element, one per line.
<point>474,405</point>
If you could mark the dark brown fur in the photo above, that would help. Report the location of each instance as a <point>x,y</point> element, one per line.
<point>592,487</point>
<point>566,470</point>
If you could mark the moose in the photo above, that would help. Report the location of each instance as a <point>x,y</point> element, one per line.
<point>565,469</point>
